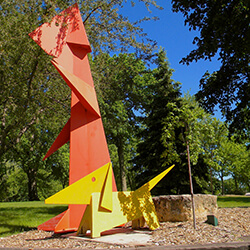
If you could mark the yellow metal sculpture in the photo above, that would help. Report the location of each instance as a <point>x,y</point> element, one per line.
<point>107,209</point>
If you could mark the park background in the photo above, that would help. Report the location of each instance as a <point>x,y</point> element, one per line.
<point>149,115</point>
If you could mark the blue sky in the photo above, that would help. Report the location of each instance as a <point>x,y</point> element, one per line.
<point>171,34</point>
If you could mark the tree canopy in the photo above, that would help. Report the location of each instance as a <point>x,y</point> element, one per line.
<point>224,32</point>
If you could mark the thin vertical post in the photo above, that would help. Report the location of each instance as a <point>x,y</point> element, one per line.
<point>191,186</point>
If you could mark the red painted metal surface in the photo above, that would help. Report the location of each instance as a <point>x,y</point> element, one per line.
<point>66,40</point>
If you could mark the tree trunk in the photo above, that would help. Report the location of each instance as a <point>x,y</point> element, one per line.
<point>222,182</point>
<point>236,185</point>
<point>121,164</point>
<point>32,185</point>
<point>211,180</point>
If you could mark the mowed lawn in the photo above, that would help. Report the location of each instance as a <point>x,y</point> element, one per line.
<point>233,201</point>
<point>16,217</point>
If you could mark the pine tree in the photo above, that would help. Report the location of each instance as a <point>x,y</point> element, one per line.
<point>163,100</point>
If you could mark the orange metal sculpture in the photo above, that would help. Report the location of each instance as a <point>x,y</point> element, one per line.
<point>65,39</point>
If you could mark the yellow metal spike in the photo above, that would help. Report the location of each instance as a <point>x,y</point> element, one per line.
<point>80,191</point>
<point>106,193</point>
<point>149,185</point>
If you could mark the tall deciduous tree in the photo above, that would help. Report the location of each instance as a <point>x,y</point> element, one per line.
<point>213,135</point>
<point>208,139</point>
<point>204,134</point>
<point>187,128</point>
<point>224,30</point>
<point>120,81</point>
<point>234,160</point>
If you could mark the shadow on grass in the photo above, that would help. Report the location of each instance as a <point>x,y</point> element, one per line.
<point>15,220</point>
<point>53,236</point>
<point>13,229</point>
<point>243,199</point>
<point>35,210</point>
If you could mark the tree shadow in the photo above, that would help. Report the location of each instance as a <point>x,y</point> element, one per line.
<point>12,218</point>
<point>14,229</point>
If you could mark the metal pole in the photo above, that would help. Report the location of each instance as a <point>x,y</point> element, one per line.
<point>191,186</point>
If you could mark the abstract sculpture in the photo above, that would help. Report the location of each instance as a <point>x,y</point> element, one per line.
<point>65,39</point>
<point>91,179</point>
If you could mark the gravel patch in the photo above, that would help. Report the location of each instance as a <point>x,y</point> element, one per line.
<point>234,225</point>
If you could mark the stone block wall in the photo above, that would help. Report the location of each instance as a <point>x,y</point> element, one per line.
<point>179,207</point>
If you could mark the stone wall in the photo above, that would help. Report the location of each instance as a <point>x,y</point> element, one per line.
<point>179,207</point>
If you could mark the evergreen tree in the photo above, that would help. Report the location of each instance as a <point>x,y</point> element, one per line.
<point>162,98</point>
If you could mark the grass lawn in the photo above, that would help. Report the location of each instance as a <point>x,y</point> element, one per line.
<point>233,201</point>
<point>16,217</point>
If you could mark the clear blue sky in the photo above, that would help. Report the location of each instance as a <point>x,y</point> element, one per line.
<point>171,34</point>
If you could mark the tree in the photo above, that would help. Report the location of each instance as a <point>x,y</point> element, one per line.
<point>28,155</point>
<point>226,152</point>
<point>208,138</point>
<point>234,163</point>
<point>213,136</point>
<point>162,98</point>
<point>189,124</point>
<point>203,135</point>
<point>29,86</point>
<point>31,92</point>
<point>224,30</point>
<point>120,81</point>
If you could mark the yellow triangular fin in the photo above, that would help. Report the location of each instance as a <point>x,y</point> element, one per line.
<point>80,191</point>
<point>106,194</point>
<point>149,185</point>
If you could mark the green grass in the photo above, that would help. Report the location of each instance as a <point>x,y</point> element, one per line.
<point>16,217</point>
<point>233,201</point>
